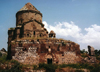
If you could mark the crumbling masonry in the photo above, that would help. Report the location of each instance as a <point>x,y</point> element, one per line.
<point>30,43</point>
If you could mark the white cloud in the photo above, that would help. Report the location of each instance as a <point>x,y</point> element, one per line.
<point>65,29</point>
<point>92,37</point>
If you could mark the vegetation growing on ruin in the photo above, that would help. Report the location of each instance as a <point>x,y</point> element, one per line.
<point>9,65</point>
<point>97,54</point>
<point>84,53</point>
<point>11,28</point>
<point>53,67</point>
<point>14,66</point>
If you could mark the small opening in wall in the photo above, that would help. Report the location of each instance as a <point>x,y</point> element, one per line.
<point>58,49</point>
<point>56,62</point>
<point>34,32</point>
<point>62,54</point>
<point>49,46</point>
<point>38,40</point>
<point>28,35</point>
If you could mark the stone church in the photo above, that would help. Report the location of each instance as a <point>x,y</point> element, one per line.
<point>30,43</point>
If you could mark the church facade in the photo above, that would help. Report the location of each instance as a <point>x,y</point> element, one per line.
<point>30,43</point>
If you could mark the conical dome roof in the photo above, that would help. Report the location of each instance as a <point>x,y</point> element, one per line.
<point>28,6</point>
<point>52,32</point>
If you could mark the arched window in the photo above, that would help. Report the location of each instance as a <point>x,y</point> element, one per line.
<point>58,49</point>
<point>34,33</point>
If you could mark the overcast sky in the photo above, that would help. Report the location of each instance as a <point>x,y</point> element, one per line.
<point>75,20</point>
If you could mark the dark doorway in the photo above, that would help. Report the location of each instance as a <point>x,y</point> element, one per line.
<point>49,61</point>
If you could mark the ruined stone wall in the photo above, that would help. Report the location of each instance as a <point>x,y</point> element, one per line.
<point>45,52</point>
<point>13,46</point>
<point>68,57</point>
<point>29,41</point>
<point>27,57</point>
<point>91,51</point>
<point>58,58</point>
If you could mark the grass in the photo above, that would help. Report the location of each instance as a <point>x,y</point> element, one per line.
<point>5,65</point>
<point>3,58</point>
<point>48,67</point>
<point>78,67</point>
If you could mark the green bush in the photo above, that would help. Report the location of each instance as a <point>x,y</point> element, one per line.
<point>35,67</point>
<point>11,28</point>
<point>96,68</point>
<point>77,66</point>
<point>3,59</point>
<point>48,67</point>
<point>15,68</point>
<point>62,65</point>
<point>0,54</point>
<point>14,61</point>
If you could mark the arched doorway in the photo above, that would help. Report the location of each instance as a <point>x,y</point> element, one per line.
<point>49,61</point>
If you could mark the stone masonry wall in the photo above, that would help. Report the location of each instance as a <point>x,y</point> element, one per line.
<point>68,57</point>
<point>30,57</point>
